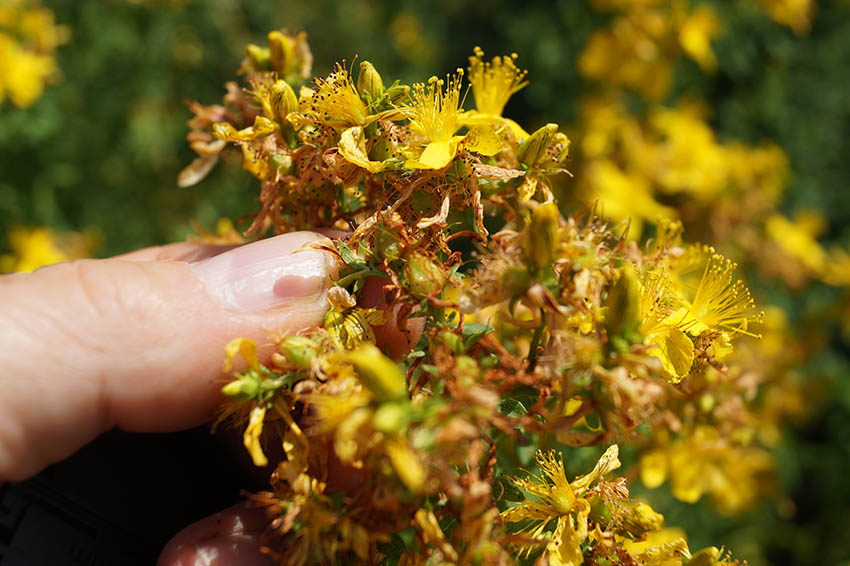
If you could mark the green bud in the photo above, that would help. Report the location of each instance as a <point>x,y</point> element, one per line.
<point>258,56</point>
<point>244,387</point>
<point>392,418</point>
<point>534,146</point>
<point>424,276</point>
<point>397,94</point>
<point>370,81</point>
<point>541,236</point>
<point>283,101</point>
<point>300,351</point>
<point>623,301</point>
<point>379,374</point>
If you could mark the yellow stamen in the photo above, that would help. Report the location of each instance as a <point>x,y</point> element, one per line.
<point>719,302</point>
<point>433,111</point>
<point>336,102</point>
<point>494,82</point>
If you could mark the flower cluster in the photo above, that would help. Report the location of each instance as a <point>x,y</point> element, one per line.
<point>473,332</point>
<point>28,39</point>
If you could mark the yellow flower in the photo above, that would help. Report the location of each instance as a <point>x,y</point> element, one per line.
<point>797,14</point>
<point>798,239</point>
<point>665,337</point>
<point>434,112</point>
<point>493,83</point>
<point>703,462</point>
<point>695,35</point>
<point>336,102</point>
<point>719,302</point>
<point>562,501</point>
<point>32,248</point>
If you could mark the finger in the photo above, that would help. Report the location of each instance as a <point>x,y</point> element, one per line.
<point>228,538</point>
<point>94,344</point>
<point>180,251</point>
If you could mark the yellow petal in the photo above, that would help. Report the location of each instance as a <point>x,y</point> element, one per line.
<point>251,438</point>
<point>528,188</point>
<point>352,146</point>
<point>565,547</point>
<point>675,350</point>
<point>608,462</point>
<point>483,140</point>
<point>345,438</point>
<point>436,155</point>
<point>406,463</point>
<point>246,347</point>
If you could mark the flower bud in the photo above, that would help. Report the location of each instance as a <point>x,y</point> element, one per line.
<point>258,57</point>
<point>623,301</point>
<point>282,53</point>
<point>397,94</point>
<point>534,146</point>
<point>369,81</point>
<point>541,236</point>
<point>424,276</point>
<point>283,100</point>
<point>380,375</point>
<point>640,519</point>
<point>244,387</point>
<point>300,351</point>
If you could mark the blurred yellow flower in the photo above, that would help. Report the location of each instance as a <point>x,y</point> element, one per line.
<point>32,248</point>
<point>28,39</point>
<point>797,14</point>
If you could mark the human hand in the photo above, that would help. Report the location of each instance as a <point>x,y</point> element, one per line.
<point>136,342</point>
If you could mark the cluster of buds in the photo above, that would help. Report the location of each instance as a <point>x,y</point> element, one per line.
<point>515,327</point>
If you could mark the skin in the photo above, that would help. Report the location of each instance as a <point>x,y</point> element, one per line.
<point>136,342</point>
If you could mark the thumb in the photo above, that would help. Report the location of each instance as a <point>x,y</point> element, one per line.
<point>138,343</point>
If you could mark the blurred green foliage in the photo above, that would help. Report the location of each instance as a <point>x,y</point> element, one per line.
<point>103,147</point>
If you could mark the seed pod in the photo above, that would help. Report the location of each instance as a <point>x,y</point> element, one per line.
<point>369,81</point>
<point>300,351</point>
<point>541,236</point>
<point>283,101</point>
<point>424,276</point>
<point>534,146</point>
